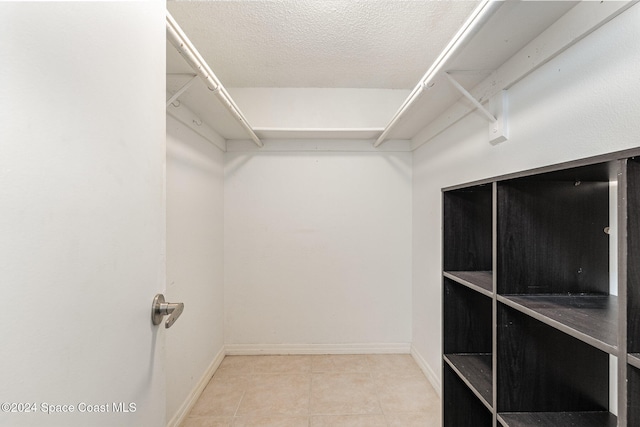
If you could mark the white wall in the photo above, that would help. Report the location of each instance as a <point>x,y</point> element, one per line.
<point>317,250</point>
<point>195,261</point>
<point>82,158</point>
<point>318,108</point>
<point>583,103</point>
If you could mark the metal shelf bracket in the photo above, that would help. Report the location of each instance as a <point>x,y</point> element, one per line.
<point>470,97</point>
<point>496,112</point>
<point>182,90</point>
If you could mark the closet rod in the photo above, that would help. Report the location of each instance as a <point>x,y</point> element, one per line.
<point>183,45</point>
<point>470,28</point>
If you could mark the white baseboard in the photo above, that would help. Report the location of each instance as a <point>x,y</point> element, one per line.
<point>368,348</point>
<point>428,372</point>
<point>192,398</point>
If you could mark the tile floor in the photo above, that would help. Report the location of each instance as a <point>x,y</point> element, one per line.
<point>314,391</point>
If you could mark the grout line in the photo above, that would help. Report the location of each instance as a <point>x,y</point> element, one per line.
<point>375,385</point>
<point>352,414</point>
<point>235,413</point>
<point>310,388</point>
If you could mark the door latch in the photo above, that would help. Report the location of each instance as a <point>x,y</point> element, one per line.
<point>161,308</point>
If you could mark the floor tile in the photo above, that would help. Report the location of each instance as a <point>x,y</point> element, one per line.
<point>236,365</point>
<point>343,394</point>
<point>427,419</point>
<point>271,421</point>
<point>348,421</point>
<point>400,392</point>
<point>241,365</point>
<point>276,394</point>
<point>208,422</point>
<point>221,397</point>
<point>388,363</point>
<point>340,363</point>
<point>319,390</point>
<point>282,364</point>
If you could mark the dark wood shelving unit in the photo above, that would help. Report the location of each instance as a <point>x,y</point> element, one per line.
<point>633,390</point>
<point>458,395</point>
<point>542,369</point>
<point>634,360</point>
<point>590,318</point>
<point>468,229</point>
<point>555,419</point>
<point>468,297</point>
<point>477,372</point>
<point>468,315</point>
<point>480,281</point>
<point>630,225</point>
<point>536,315</point>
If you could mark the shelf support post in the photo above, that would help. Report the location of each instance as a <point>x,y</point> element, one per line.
<point>182,90</point>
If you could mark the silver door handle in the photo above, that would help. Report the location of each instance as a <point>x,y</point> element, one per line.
<point>161,308</point>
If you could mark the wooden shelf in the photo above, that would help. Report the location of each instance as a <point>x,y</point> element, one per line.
<point>480,281</point>
<point>555,419</point>
<point>589,318</point>
<point>476,371</point>
<point>634,360</point>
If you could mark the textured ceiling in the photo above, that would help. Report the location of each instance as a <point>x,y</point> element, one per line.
<point>315,43</point>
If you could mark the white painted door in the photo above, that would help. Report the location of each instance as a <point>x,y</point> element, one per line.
<point>82,222</point>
